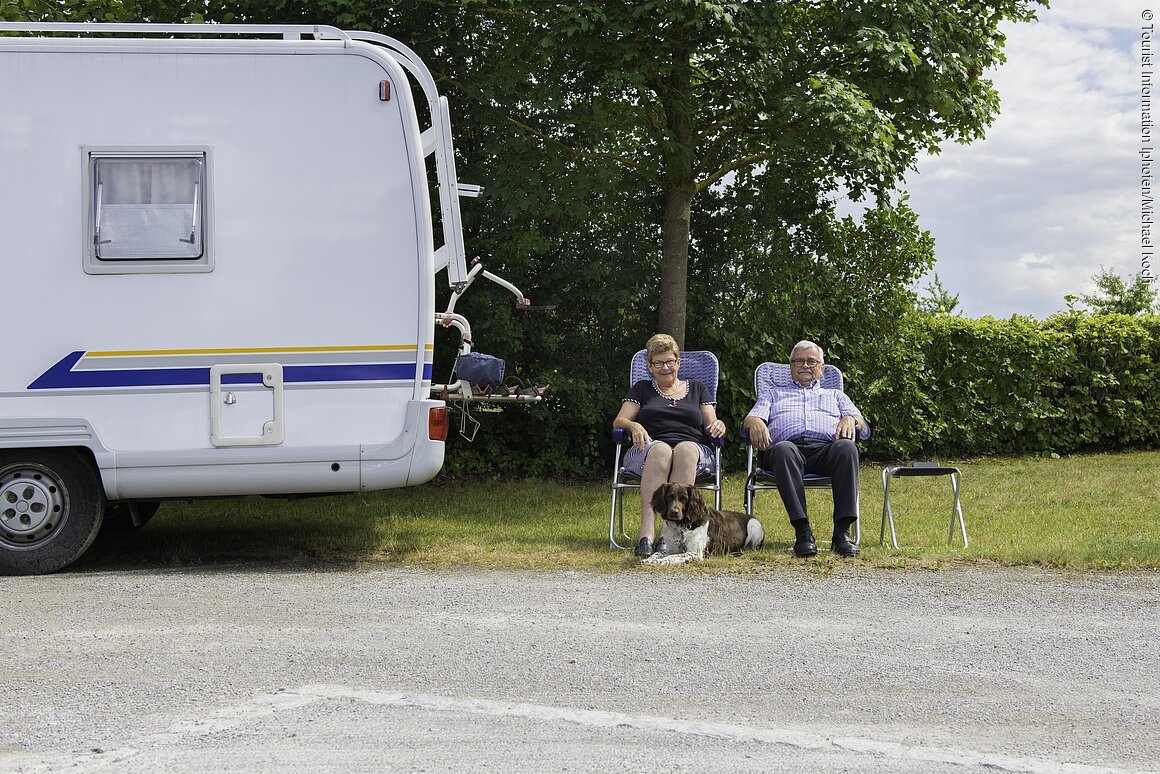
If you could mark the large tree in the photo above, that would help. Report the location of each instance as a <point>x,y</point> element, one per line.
<point>829,96</point>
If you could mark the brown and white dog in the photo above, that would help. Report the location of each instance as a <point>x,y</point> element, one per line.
<point>691,529</point>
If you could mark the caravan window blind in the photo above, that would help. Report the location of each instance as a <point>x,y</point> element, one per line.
<point>147,212</point>
<point>148,209</point>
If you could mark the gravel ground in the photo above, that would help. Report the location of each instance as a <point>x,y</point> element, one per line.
<point>261,668</point>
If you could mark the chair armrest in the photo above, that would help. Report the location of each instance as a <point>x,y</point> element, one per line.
<point>745,432</point>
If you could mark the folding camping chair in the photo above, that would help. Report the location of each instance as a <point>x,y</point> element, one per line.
<point>699,365</point>
<point>758,479</point>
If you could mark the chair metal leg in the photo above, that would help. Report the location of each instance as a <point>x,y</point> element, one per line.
<point>620,517</point>
<point>887,514</point>
<point>612,520</point>
<point>612,513</point>
<point>616,520</point>
<point>717,478</point>
<point>750,480</point>
<point>617,505</point>
<point>857,523</point>
<point>957,510</point>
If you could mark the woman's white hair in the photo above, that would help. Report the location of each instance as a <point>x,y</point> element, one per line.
<point>804,344</point>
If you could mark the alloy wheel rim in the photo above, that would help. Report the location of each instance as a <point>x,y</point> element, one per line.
<point>33,505</point>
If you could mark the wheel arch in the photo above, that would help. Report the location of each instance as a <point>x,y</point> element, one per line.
<point>24,434</point>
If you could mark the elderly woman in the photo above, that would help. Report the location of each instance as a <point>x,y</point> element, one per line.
<point>668,419</point>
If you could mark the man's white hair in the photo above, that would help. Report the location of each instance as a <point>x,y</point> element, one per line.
<point>804,344</point>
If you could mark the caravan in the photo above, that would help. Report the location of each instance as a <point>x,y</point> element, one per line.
<point>219,261</point>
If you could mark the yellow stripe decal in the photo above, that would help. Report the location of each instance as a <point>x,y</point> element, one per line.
<point>253,350</point>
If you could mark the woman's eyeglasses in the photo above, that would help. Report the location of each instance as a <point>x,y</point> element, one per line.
<point>672,363</point>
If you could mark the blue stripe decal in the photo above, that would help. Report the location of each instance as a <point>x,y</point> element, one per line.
<point>62,377</point>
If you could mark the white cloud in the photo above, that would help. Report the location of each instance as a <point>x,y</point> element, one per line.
<point>1118,14</point>
<point>1029,214</point>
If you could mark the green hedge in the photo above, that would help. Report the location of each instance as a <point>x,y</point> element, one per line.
<point>1068,383</point>
<point>931,386</point>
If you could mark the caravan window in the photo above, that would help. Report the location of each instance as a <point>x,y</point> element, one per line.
<point>147,213</point>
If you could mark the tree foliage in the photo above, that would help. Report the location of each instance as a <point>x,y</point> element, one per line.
<point>831,95</point>
<point>938,300</point>
<point>1114,295</point>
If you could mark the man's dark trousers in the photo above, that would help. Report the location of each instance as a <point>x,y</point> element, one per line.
<point>836,458</point>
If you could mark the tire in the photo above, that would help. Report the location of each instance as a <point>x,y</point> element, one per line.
<point>120,517</point>
<point>51,507</point>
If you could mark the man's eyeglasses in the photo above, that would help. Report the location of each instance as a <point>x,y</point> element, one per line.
<point>665,363</point>
<point>797,361</point>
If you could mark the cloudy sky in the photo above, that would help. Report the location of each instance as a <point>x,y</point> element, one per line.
<point>1029,214</point>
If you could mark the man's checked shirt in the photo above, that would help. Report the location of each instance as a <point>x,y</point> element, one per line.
<point>793,411</point>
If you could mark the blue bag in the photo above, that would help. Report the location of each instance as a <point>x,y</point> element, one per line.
<point>480,370</point>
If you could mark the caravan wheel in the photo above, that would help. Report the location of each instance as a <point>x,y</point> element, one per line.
<point>51,504</point>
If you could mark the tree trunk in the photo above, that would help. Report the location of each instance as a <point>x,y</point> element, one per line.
<point>678,153</point>
<point>675,264</point>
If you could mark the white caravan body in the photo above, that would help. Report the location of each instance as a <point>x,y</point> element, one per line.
<point>219,264</point>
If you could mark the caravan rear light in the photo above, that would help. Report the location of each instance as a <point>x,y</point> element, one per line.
<point>437,424</point>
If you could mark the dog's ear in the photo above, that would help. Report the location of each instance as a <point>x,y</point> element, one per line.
<point>660,497</point>
<point>696,501</point>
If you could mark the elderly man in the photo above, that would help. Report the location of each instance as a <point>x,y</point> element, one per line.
<point>804,428</point>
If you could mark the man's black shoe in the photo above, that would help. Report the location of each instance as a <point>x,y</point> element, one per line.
<point>805,547</point>
<point>644,548</point>
<point>842,545</point>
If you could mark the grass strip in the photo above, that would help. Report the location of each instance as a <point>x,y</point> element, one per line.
<point>1084,512</point>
